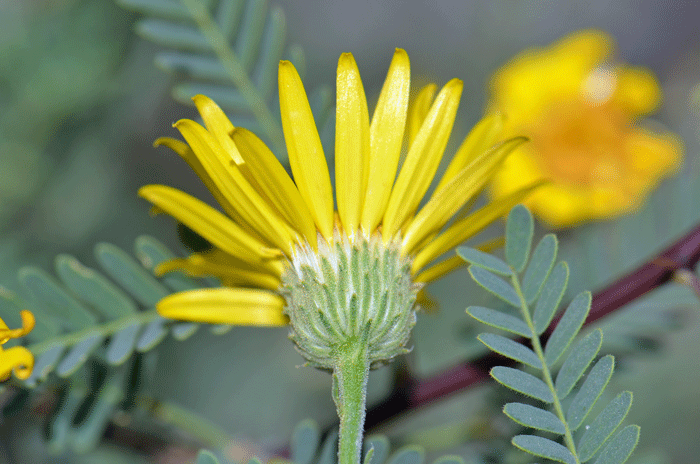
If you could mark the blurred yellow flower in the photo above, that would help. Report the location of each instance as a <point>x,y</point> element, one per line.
<point>17,358</point>
<point>279,229</point>
<point>581,111</point>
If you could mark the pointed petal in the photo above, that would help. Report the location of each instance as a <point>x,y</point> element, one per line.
<point>306,157</point>
<point>483,136</point>
<point>386,137</point>
<point>207,222</point>
<point>254,210</point>
<point>275,183</point>
<point>218,124</point>
<point>448,200</point>
<point>17,358</point>
<point>439,270</point>
<point>423,159</point>
<point>419,110</point>
<point>186,153</point>
<point>351,144</point>
<point>466,228</point>
<point>238,306</point>
<point>197,265</point>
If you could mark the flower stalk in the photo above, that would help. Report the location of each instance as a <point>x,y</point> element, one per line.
<point>350,395</point>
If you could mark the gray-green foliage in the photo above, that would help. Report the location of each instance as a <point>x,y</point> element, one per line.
<point>92,325</point>
<point>307,446</point>
<point>229,50</point>
<point>534,289</point>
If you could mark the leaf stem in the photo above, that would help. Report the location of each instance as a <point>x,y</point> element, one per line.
<point>237,72</point>
<point>350,395</point>
<point>546,373</point>
<point>106,329</point>
<point>199,427</point>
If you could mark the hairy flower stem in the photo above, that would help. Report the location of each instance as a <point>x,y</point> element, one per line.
<point>350,395</point>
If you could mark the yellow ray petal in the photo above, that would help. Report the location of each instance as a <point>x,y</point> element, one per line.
<point>246,200</point>
<point>351,144</point>
<point>221,127</point>
<point>305,150</point>
<point>17,358</point>
<point>466,228</point>
<point>448,200</point>
<point>207,222</point>
<point>275,183</point>
<point>422,159</point>
<point>483,136</point>
<point>419,110</point>
<point>238,306</point>
<point>197,265</point>
<point>386,137</point>
<point>186,153</point>
<point>443,268</point>
<point>218,124</point>
<point>28,323</point>
<point>439,270</point>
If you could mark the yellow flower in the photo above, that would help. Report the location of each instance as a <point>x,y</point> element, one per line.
<point>281,241</point>
<point>581,111</point>
<point>17,358</point>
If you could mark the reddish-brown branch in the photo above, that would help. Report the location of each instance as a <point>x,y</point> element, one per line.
<point>413,393</point>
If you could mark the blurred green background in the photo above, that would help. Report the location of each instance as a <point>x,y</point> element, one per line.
<point>81,103</point>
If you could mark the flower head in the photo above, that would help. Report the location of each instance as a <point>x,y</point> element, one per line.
<point>581,111</point>
<point>18,358</point>
<point>282,250</point>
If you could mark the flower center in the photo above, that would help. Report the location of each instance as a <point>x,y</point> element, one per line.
<point>347,292</point>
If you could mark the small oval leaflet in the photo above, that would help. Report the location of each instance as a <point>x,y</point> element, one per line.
<point>620,447</point>
<point>578,361</point>
<point>519,231</point>
<point>499,320</point>
<point>511,349</point>
<point>603,426</point>
<point>590,391</point>
<point>539,267</point>
<point>550,297</point>
<point>522,382</point>
<point>567,327</point>
<point>533,417</point>
<point>485,260</point>
<point>544,448</point>
<point>495,285</point>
